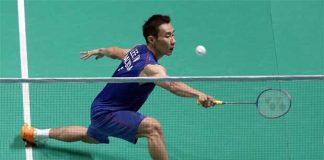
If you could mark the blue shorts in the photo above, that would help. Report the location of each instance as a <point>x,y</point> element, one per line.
<point>120,124</point>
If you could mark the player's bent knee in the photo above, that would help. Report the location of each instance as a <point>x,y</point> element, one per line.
<point>150,127</point>
<point>154,126</point>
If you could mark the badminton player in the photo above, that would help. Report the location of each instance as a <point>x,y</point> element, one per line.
<point>114,111</point>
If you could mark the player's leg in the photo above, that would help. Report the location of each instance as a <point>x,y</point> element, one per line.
<point>71,134</point>
<point>67,134</point>
<point>130,126</point>
<point>151,129</point>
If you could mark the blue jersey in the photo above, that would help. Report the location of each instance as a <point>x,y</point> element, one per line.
<point>127,96</point>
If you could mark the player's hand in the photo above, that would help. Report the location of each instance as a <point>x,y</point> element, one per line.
<point>96,52</point>
<point>206,101</point>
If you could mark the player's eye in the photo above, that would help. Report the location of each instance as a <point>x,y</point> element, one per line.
<point>169,35</point>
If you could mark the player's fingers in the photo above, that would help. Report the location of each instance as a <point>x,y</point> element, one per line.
<point>83,52</point>
<point>201,103</point>
<point>88,54</point>
<point>85,57</point>
<point>210,98</point>
<point>203,98</point>
<point>206,104</point>
<point>211,101</point>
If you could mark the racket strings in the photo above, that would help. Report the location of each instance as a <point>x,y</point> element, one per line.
<point>273,103</point>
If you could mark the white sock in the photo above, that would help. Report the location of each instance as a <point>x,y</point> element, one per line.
<point>42,134</point>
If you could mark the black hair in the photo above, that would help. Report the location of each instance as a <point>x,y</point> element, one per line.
<point>151,26</point>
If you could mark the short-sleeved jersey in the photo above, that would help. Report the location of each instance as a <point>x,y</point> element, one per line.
<point>127,96</point>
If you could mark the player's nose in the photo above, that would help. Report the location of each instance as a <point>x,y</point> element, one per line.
<point>173,41</point>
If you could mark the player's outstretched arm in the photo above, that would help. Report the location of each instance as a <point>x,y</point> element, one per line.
<point>183,90</point>
<point>177,88</point>
<point>112,52</point>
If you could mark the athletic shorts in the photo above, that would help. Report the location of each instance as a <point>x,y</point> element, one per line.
<point>120,124</point>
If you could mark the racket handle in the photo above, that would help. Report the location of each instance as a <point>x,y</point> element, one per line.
<point>216,102</point>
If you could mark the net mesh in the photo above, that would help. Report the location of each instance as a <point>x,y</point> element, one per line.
<point>191,132</point>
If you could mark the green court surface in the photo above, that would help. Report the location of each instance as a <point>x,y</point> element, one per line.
<point>242,37</point>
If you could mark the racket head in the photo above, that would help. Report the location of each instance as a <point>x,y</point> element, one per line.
<point>273,103</point>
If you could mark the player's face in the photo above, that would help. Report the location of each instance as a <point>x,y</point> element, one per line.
<point>165,42</point>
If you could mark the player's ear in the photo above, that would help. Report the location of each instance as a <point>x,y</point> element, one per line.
<point>151,39</point>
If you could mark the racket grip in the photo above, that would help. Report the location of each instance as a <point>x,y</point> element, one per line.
<point>216,102</point>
